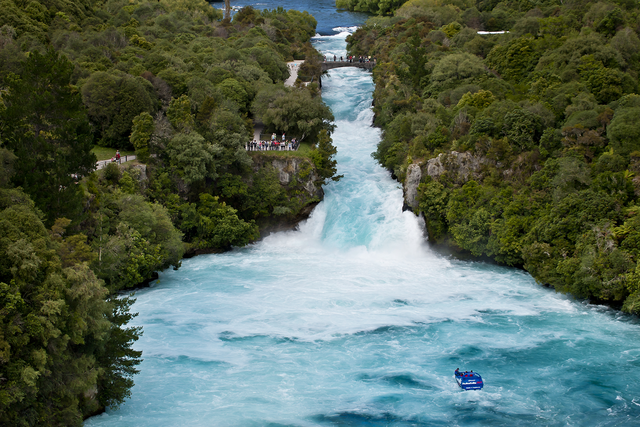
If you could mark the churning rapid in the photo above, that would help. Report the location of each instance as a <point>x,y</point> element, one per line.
<point>354,321</point>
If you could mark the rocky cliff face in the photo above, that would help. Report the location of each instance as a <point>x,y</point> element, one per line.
<point>411,182</point>
<point>298,177</point>
<point>457,167</point>
<point>300,171</point>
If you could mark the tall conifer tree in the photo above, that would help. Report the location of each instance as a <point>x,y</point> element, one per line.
<point>46,126</point>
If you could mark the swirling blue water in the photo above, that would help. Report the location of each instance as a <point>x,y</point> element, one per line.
<point>353,321</point>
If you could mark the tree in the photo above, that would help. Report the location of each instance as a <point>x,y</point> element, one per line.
<point>607,84</point>
<point>270,61</point>
<point>141,135</point>
<point>381,7</point>
<point>55,324</point>
<point>413,62</point>
<point>227,10</point>
<point>611,22</point>
<point>235,91</point>
<point>632,303</point>
<point>515,59</point>
<point>298,114</point>
<point>457,69</point>
<point>323,157</point>
<point>116,355</point>
<point>45,125</point>
<point>433,199</point>
<point>143,241</point>
<point>179,113</point>
<point>472,234</point>
<point>113,100</point>
<point>626,42</point>
<point>481,99</point>
<point>192,157</point>
<point>624,130</point>
<point>7,159</point>
<point>523,128</point>
<point>219,227</point>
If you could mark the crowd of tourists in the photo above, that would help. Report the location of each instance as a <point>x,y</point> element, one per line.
<point>361,59</point>
<point>274,144</point>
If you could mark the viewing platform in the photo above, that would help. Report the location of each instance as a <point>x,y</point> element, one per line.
<point>329,65</point>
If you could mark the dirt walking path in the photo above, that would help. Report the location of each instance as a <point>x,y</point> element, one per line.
<point>294,66</point>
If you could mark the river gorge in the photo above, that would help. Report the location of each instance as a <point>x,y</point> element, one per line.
<point>352,320</point>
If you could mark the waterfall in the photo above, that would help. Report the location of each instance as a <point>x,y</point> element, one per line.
<point>352,320</point>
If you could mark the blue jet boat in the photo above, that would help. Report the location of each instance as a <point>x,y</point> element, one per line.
<point>469,380</point>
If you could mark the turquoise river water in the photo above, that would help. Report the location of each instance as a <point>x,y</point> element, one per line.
<point>353,321</point>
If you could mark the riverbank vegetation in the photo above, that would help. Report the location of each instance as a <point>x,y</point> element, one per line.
<point>181,86</point>
<point>378,7</point>
<point>528,141</point>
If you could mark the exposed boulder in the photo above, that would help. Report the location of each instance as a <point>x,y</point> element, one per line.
<point>414,175</point>
<point>300,171</point>
<point>459,167</point>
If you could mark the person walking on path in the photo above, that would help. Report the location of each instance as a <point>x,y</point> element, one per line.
<point>118,156</point>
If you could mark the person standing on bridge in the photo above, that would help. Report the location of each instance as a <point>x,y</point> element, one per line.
<point>341,59</point>
<point>334,58</point>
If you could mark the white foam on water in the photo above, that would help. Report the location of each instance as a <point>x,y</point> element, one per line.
<point>342,30</point>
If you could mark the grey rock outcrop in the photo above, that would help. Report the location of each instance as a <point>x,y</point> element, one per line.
<point>414,175</point>
<point>457,167</point>
<point>460,167</point>
<point>140,171</point>
<point>290,168</point>
<point>303,186</point>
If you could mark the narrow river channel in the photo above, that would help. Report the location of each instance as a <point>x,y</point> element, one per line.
<point>354,321</point>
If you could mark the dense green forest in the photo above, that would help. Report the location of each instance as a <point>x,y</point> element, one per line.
<point>379,7</point>
<point>181,86</point>
<point>528,142</point>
